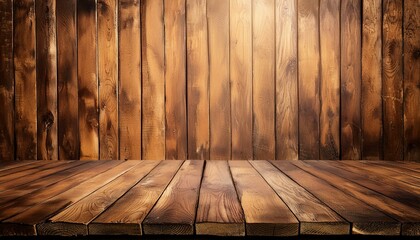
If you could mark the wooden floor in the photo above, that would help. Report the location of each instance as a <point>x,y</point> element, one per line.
<point>227,198</point>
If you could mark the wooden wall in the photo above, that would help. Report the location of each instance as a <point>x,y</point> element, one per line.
<point>210,79</point>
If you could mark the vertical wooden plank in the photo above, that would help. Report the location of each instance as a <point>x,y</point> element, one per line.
<point>87,79</point>
<point>7,83</point>
<point>68,127</point>
<point>308,78</point>
<point>153,80</point>
<point>241,78</point>
<point>46,68</point>
<point>411,80</point>
<point>130,79</point>
<point>392,89</point>
<point>175,76</point>
<point>329,122</point>
<point>350,79</point>
<point>107,72</point>
<point>197,80</point>
<point>218,40</point>
<point>286,80</point>
<point>372,80</point>
<point>25,77</point>
<point>263,60</point>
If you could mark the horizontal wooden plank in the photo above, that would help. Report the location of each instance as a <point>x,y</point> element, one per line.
<point>18,175</point>
<point>12,171</point>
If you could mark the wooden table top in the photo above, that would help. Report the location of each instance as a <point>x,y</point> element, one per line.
<point>223,198</point>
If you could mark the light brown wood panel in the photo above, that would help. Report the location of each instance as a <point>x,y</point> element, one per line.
<point>263,84</point>
<point>308,78</point>
<point>87,79</point>
<point>7,82</point>
<point>392,80</point>
<point>25,79</point>
<point>350,79</point>
<point>153,80</point>
<point>129,79</point>
<point>287,138</point>
<point>175,80</point>
<point>197,79</point>
<point>219,86</point>
<point>108,80</point>
<point>411,80</point>
<point>329,119</point>
<point>241,78</point>
<point>68,127</point>
<point>371,102</point>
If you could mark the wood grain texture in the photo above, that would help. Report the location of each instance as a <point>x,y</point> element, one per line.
<point>263,84</point>
<point>175,79</point>
<point>129,43</point>
<point>197,79</point>
<point>219,212</point>
<point>329,119</point>
<point>321,221</point>
<point>7,82</point>
<point>371,102</point>
<point>258,201</point>
<point>178,203</point>
<point>241,78</point>
<point>287,138</point>
<point>46,68</point>
<point>25,79</point>
<point>219,86</point>
<point>21,175</point>
<point>308,78</point>
<point>127,213</point>
<point>108,80</point>
<point>12,171</point>
<point>87,79</point>
<point>68,127</point>
<point>411,80</point>
<point>153,80</point>
<point>392,80</point>
<point>364,218</point>
<point>350,79</point>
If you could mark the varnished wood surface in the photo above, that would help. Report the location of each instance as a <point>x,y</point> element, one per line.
<point>213,198</point>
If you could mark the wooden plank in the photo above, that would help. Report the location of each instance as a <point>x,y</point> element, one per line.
<point>321,220</point>
<point>350,79</point>
<point>265,213</point>
<point>219,211</point>
<point>365,219</point>
<point>73,220</point>
<point>263,84</point>
<point>23,167</point>
<point>178,203</point>
<point>395,168</point>
<point>287,144</point>
<point>68,127</point>
<point>175,77</point>
<point>241,78</point>
<point>13,207</point>
<point>392,80</point>
<point>7,82</point>
<point>411,80</point>
<point>153,80</point>
<point>26,171</point>
<point>218,40</point>
<point>25,79</point>
<point>108,82</point>
<point>87,79</point>
<point>198,80</point>
<point>25,223</point>
<point>371,103</point>
<point>308,78</point>
<point>125,216</point>
<point>329,119</point>
<point>7,165</point>
<point>413,167</point>
<point>46,68</point>
<point>130,79</point>
<point>373,196</point>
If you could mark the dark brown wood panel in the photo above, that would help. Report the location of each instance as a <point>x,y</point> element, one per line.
<point>25,79</point>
